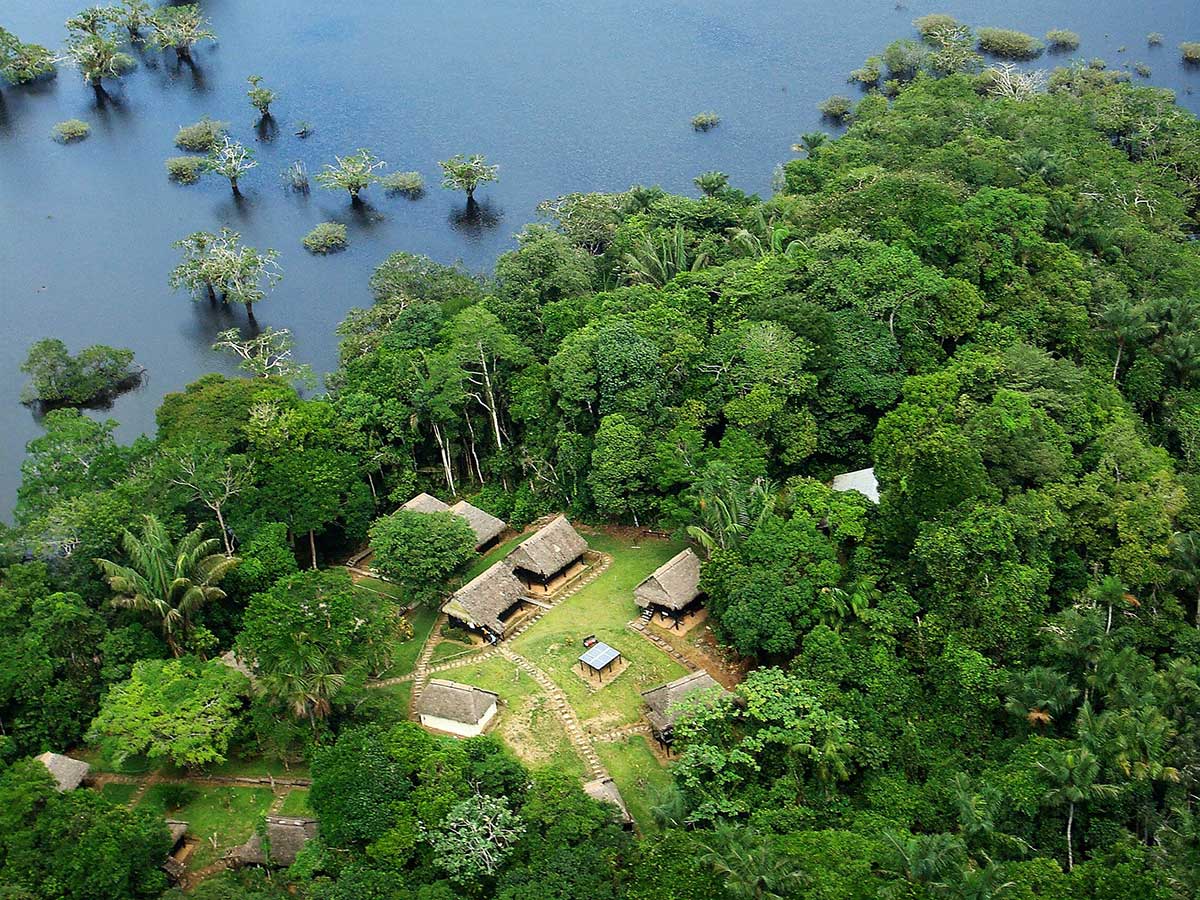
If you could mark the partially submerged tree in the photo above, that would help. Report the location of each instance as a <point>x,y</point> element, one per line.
<point>168,580</point>
<point>180,28</point>
<point>351,173</point>
<point>261,98</point>
<point>134,16</point>
<point>231,160</point>
<point>20,62</point>
<point>466,173</point>
<point>98,56</point>
<point>56,378</point>
<point>267,354</point>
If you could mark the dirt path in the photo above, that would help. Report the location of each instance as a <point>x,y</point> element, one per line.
<point>564,710</point>
<point>100,779</point>
<point>191,879</point>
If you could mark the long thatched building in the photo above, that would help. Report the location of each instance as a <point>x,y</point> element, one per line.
<point>426,503</point>
<point>286,835</point>
<point>487,527</point>
<point>490,602</point>
<point>550,558</point>
<point>68,773</point>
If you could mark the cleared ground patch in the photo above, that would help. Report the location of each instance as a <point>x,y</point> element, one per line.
<point>220,818</point>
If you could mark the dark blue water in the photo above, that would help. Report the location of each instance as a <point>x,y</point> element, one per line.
<point>565,97</point>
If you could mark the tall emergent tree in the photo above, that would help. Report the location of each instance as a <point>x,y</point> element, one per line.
<point>352,173</point>
<point>93,46</point>
<point>169,580</point>
<point>466,173</point>
<point>213,263</point>
<point>180,28</point>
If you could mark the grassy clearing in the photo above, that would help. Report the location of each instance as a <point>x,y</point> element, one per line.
<point>119,793</point>
<point>448,648</point>
<point>257,767</point>
<point>296,803</point>
<point>375,586</point>
<point>603,608</point>
<point>525,722</point>
<point>640,777</point>
<point>220,817</point>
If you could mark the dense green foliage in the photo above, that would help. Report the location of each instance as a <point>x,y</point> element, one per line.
<point>986,686</point>
<point>94,375</point>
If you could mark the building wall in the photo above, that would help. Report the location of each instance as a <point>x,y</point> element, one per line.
<point>460,728</point>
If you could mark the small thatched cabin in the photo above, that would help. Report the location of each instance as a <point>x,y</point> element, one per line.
<point>173,865</point>
<point>862,480</point>
<point>663,702</point>
<point>487,527</point>
<point>426,503</point>
<point>673,586</point>
<point>489,602</point>
<point>286,835</point>
<point>605,790</point>
<point>68,773</point>
<point>550,558</point>
<point>456,708</point>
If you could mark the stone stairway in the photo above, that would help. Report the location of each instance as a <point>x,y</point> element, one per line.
<point>564,710</point>
<point>420,673</point>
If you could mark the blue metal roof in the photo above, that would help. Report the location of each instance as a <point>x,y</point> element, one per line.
<point>599,655</point>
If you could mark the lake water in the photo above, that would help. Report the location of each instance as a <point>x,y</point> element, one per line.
<point>564,96</point>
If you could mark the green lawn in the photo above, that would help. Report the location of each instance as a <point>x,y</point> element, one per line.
<point>221,818</point>
<point>258,766</point>
<point>377,586</point>
<point>296,803</point>
<point>525,722</point>
<point>447,649</point>
<point>640,777</point>
<point>119,793</point>
<point>603,608</point>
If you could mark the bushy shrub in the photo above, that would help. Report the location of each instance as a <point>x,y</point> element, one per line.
<point>868,74</point>
<point>1142,69</point>
<point>936,22</point>
<point>1190,51</point>
<point>185,169</point>
<point>71,130</point>
<point>454,633</point>
<point>705,121</point>
<point>327,237</point>
<point>1061,39</point>
<point>904,59</point>
<point>1008,43</point>
<point>837,107</point>
<point>176,796</point>
<point>200,137</point>
<point>1154,39</point>
<point>408,184</point>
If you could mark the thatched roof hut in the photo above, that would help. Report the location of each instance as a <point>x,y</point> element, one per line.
<point>486,526</point>
<point>605,790</point>
<point>426,503</point>
<point>482,601</point>
<point>673,585</point>
<point>549,551</point>
<point>662,702</point>
<point>862,480</point>
<point>286,835</point>
<point>69,773</point>
<point>456,708</point>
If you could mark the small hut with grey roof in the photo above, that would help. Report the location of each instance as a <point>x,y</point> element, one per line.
<point>605,790</point>
<point>286,835</point>
<point>550,558</point>
<point>455,708</point>
<point>426,503</point>
<point>68,773</point>
<point>490,602</point>
<point>663,702</point>
<point>674,586</point>
<point>487,527</point>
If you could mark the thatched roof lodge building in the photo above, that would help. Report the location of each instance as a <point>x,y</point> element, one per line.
<point>673,586</point>
<point>863,481</point>
<point>489,602</point>
<point>663,702</point>
<point>426,503</point>
<point>487,527</point>
<point>456,708</point>
<point>67,772</point>
<point>549,559</point>
<point>605,790</point>
<point>286,835</point>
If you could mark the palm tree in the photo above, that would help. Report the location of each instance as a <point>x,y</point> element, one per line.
<point>1128,323</point>
<point>1108,592</point>
<point>170,581</point>
<point>850,603</point>
<point>750,866</point>
<point>656,262</point>
<point>1072,774</point>
<point>810,142</point>
<point>303,677</point>
<point>730,511</point>
<point>1040,696</point>
<point>933,860</point>
<point>1185,561</point>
